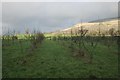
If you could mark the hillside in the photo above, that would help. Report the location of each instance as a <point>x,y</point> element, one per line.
<point>93,27</point>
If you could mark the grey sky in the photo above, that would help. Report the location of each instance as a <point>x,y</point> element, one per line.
<point>53,16</point>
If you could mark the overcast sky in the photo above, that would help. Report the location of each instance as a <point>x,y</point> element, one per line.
<point>52,16</point>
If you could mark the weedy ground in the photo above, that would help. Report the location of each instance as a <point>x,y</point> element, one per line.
<point>52,59</point>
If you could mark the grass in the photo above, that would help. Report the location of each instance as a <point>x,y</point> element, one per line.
<point>54,60</point>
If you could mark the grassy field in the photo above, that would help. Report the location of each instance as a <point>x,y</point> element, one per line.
<point>53,59</point>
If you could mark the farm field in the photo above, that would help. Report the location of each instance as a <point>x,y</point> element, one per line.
<point>54,59</point>
<point>60,39</point>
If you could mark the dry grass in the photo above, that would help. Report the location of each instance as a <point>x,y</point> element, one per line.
<point>92,27</point>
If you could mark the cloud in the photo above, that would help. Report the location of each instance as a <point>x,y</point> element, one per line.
<point>59,0</point>
<point>51,16</point>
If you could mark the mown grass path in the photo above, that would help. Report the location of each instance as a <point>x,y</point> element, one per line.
<point>51,60</point>
<point>54,60</point>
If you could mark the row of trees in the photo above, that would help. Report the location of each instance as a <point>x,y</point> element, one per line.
<point>9,39</point>
<point>81,39</point>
